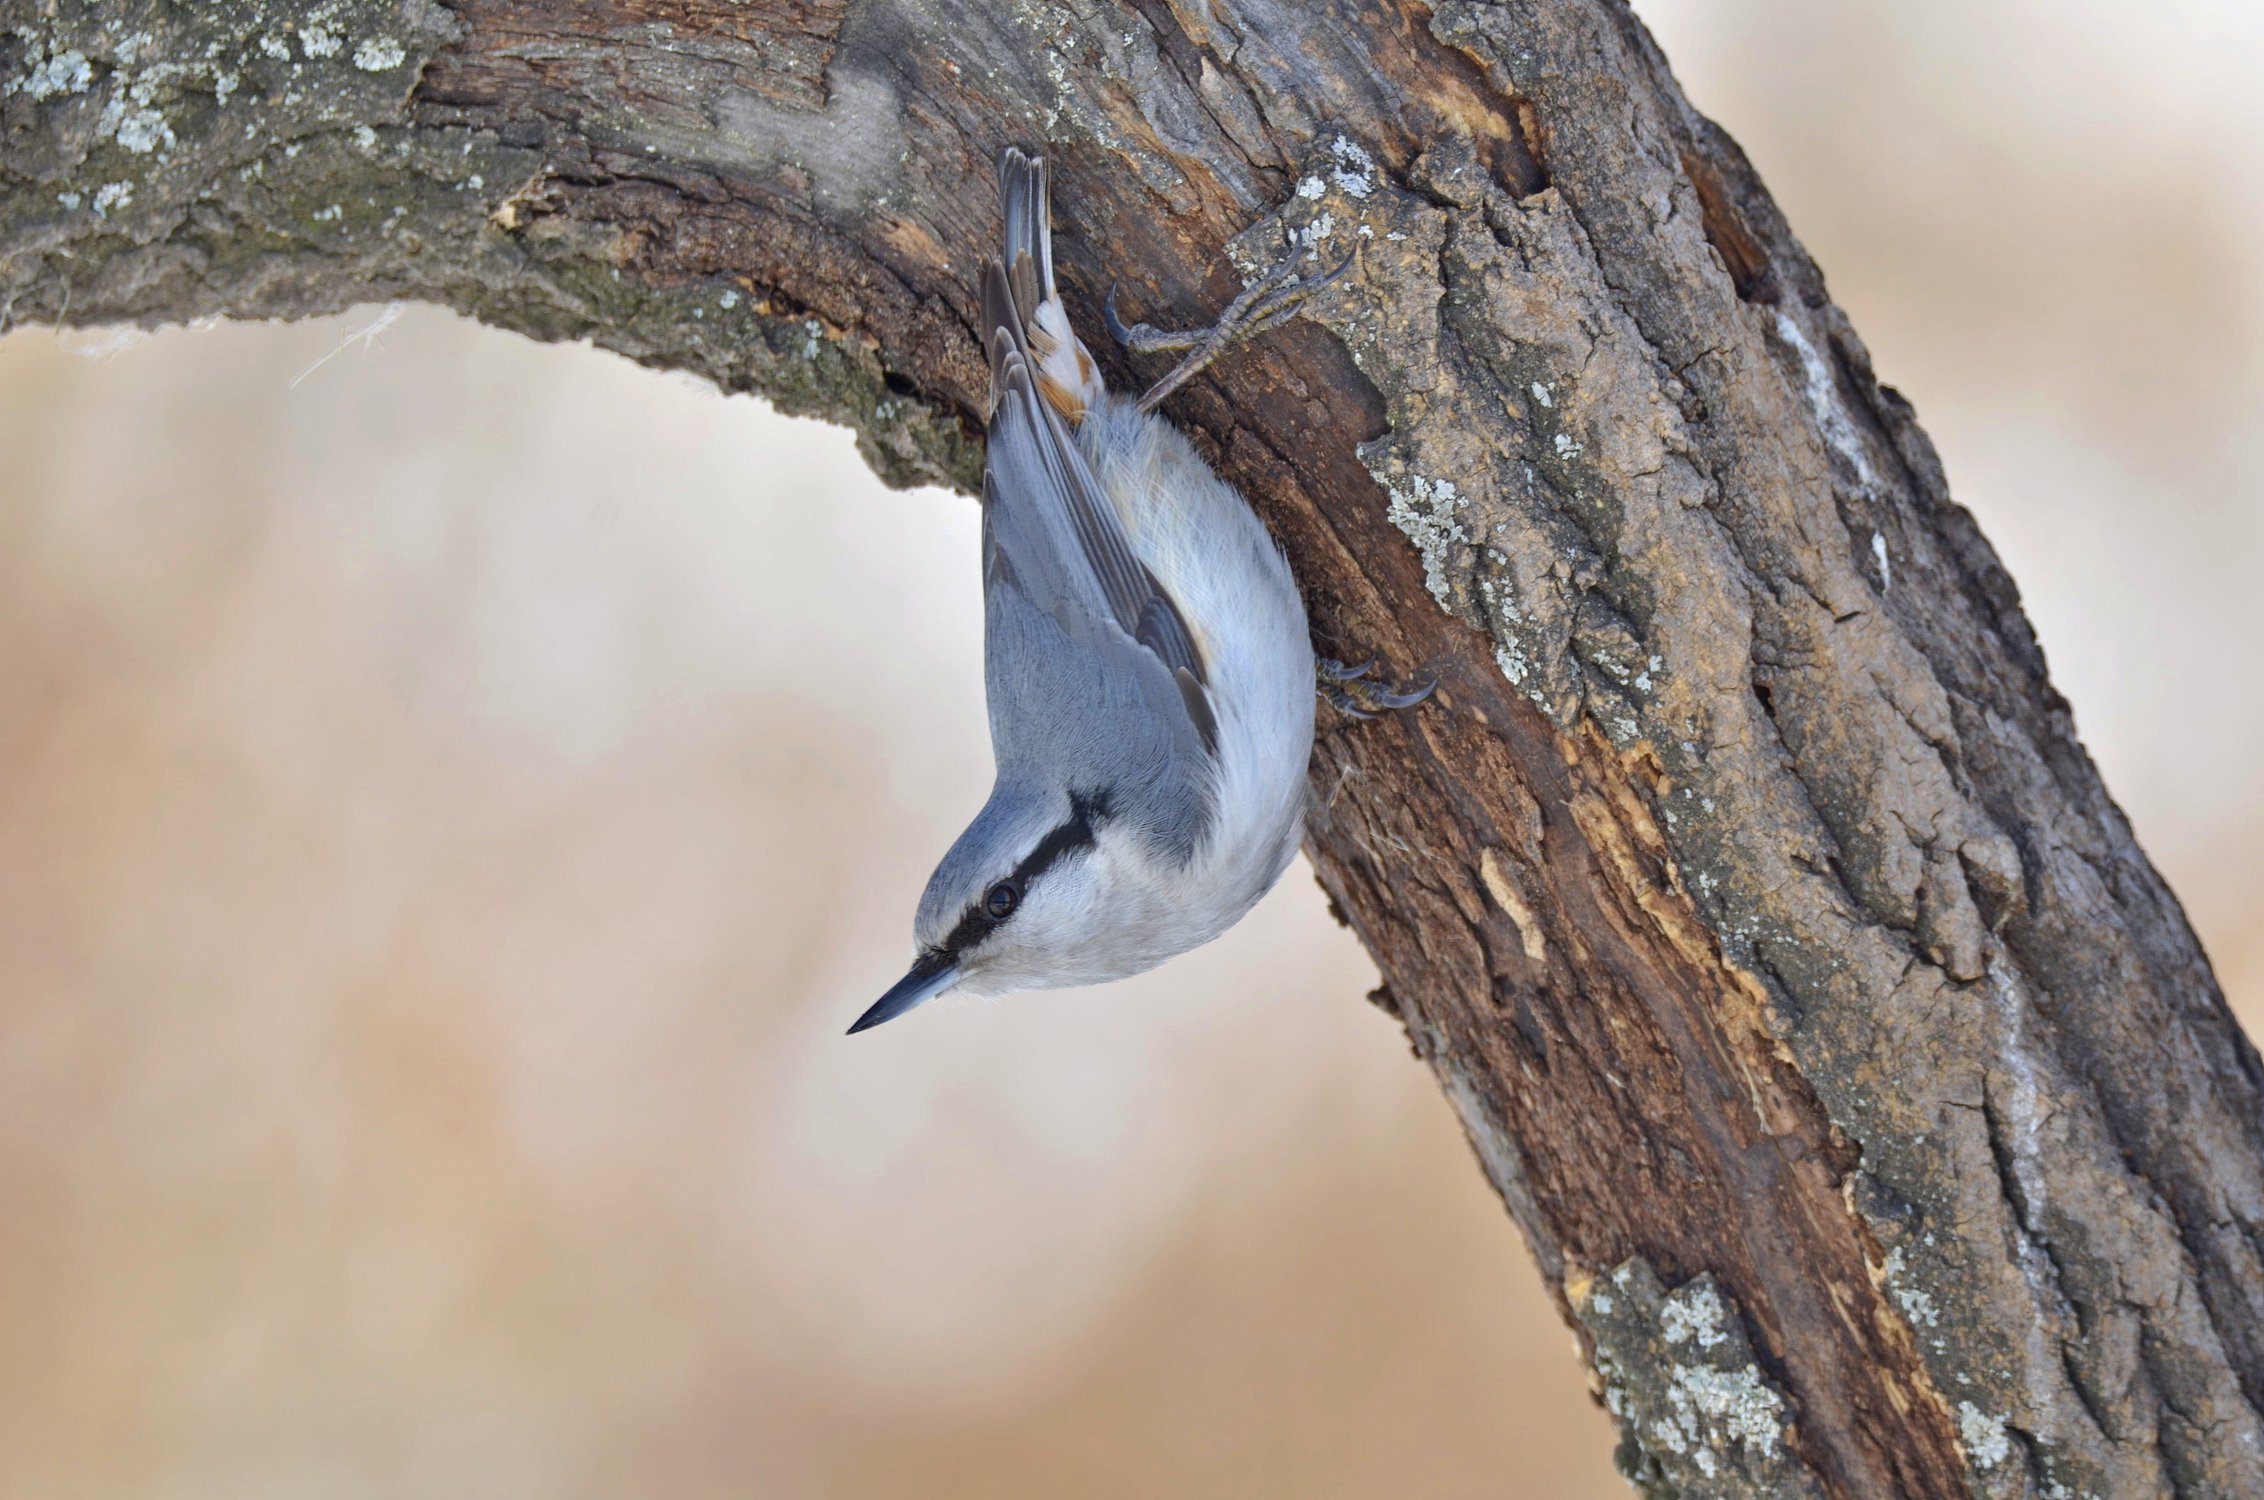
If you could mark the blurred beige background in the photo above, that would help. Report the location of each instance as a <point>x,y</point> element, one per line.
<point>453,795</point>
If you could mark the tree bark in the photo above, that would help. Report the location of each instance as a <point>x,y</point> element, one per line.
<point>1859,1086</point>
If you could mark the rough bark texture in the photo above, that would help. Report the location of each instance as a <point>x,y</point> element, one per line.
<point>1858,1084</point>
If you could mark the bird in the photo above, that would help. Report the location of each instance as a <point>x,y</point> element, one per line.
<point>1148,670</point>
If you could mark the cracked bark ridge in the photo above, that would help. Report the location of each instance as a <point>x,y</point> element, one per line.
<point>1745,886</point>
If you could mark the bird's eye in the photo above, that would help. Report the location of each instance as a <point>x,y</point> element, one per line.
<point>1001,899</point>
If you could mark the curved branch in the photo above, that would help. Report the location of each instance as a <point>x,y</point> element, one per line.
<point>1857,1083</point>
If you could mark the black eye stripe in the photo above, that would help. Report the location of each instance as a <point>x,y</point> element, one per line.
<point>1087,811</point>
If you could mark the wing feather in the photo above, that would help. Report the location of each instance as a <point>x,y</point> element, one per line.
<point>1072,552</point>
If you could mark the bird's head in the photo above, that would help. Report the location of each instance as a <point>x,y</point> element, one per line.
<point>1033,895</point>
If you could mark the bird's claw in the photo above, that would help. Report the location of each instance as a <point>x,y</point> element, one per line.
<point>1350,692</point>
<point>1265,303</point>
<point>1142,338</point>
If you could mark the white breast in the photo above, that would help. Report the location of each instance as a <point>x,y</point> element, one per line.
<point>1216,561</point>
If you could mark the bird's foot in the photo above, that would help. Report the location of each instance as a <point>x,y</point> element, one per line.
<point>1351,691</point>
<point>1270,300</point>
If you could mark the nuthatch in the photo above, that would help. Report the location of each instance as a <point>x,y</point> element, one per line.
<point>1145,656</point>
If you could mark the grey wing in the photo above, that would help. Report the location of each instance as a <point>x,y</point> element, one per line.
<point>1033,458</point>
<point>1076,704</point>
<point>1073,692</point>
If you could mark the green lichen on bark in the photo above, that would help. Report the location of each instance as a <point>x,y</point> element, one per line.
<point>161,163</point>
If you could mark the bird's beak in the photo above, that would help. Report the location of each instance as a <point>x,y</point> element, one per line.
<point>929,978</point>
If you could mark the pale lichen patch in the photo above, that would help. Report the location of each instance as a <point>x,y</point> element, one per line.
<point>140,130</point>
<point>1824,400</point>
<point>379,54</point>
<point>1982,1436</point>
<point>1715,1408</point>
<point>1916,1303</point>
<point>1698,1417</point>
<point>1424,510</point>
<point>1354,170</point>
<point>47,75</point>
<point>1695,1312</point>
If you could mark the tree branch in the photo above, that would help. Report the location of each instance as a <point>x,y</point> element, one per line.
<point>1857,1083</point>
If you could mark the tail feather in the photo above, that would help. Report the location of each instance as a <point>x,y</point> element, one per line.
<point>1032,311</point>
<point>1005,344</point>
<point>1029,225</point>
